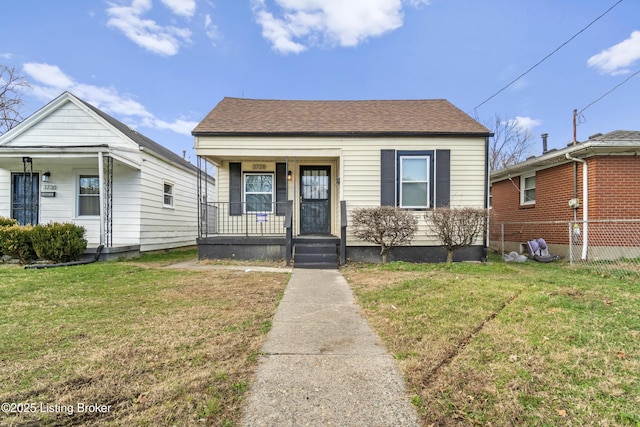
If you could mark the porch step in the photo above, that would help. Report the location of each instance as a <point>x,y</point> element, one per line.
<point>316,254</point>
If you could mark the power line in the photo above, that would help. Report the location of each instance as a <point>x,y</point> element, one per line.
<point>609,91</point>
<point>546,57</point>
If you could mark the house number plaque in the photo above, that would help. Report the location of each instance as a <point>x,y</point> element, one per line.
<point>258,166</point>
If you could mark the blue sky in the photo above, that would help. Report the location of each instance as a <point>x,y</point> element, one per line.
<point>162,65</point>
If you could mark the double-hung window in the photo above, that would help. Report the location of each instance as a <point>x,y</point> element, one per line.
<point>88,195</point>
<point>528,189</point>
<point>168,195</point>
<point>258,192</point>
<point>414,181</point>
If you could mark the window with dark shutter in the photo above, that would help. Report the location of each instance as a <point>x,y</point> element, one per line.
<point>412,178</point>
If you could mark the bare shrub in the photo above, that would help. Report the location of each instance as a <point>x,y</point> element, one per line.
<point>386,226</point>
<point>456,228</point>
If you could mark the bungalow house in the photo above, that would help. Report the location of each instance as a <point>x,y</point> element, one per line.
<point>71,162</point>
<point>577,197</point>
<point>290,173</point>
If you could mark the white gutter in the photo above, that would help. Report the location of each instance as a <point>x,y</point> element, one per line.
<point>585,204</point>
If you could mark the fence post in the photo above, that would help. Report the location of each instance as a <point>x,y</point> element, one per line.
<point>570,243</point>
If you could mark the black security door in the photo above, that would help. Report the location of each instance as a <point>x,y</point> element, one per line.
<point>25,198</point>
<point>315,205</point>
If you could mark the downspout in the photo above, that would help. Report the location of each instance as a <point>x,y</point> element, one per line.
<point>101,196</point>
<point>486,200</point>
<point>585,204</point>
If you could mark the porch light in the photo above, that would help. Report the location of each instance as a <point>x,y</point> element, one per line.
<point>289,176</point>
<point>46,176</point>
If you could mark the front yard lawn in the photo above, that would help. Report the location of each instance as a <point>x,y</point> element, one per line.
<point>131,343</point>
<point>508,344</point>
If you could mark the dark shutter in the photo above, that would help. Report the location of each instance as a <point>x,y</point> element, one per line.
<point>443,178</point>
<point>235,189</point>
<point>387,177</point>
<point>281,188</point>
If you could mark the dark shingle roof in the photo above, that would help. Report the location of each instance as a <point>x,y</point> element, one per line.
<point>617,135</point>
<point>140,139</point>
<point>237,116</point>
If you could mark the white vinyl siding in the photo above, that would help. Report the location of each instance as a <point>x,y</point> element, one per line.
<point>356,162</point>
<point>139,216</point>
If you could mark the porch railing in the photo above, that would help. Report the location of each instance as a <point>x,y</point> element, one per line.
<point>242,219</point>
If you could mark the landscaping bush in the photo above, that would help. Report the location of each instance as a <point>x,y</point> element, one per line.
<point>5,222</point>
<point>386,226</point>
<point>456,228</point>
<point>59,242</point>
<point>15,241</point>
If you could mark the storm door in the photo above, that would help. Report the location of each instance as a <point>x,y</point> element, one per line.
<point>25,198</point>
<point>315,204</point>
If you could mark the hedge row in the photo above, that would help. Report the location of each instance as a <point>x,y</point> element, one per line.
<point>52,242</point>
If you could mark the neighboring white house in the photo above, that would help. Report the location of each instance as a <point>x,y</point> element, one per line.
<point>71,162</point>
<point>320,160</point>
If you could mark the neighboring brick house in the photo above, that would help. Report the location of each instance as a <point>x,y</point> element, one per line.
<point>553,187</point>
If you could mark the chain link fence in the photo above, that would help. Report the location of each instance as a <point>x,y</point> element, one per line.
<point>605,247</point>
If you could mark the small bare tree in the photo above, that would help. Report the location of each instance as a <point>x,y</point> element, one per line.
<point>12,84</point>
<point>510,144</point>
<point>386,226</point>
<point>456,228</point>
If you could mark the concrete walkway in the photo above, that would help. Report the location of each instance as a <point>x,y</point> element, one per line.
<point>323,365</point>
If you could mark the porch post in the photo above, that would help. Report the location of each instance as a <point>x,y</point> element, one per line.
<point>101,195</point>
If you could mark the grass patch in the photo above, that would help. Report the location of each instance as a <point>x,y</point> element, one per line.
<point>508,344</point>
<point>158,346</point>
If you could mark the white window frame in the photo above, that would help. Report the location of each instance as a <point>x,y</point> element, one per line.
<point>245,192</point>
<point>427,160</point>
<point>524,189</point>
<point>79,195</point>
<point>170,194</point>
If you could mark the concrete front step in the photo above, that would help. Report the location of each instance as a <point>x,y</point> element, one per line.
<point>320,254</point>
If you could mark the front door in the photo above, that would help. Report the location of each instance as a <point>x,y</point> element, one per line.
<point>315,203</point>
<point>25,198</point>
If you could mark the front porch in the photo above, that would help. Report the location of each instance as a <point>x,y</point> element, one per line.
<point>234,230</point>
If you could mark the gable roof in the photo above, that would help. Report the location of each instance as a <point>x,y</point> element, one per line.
<point>240,116</point>
<point>140,139</point>
<point>137,138</point>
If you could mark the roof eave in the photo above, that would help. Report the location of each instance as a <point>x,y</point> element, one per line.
<point>558,157</point>
<point>342,134</point>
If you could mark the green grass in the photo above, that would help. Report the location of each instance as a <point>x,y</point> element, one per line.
<point>509,344</point>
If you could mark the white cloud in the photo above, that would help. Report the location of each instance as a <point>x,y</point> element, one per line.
<point>184,8</point>
<point>6,55</point>
<point>618,58</point>
<point>210,28</point>
<point>304,23</point>
<point>178,126</point>
<point>525,123</point>
<point>49,81</point>
<point>146,33</point>
<point>49,75</point>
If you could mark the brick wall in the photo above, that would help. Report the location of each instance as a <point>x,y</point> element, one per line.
<point>614,186</point>
<point>614,193</point>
